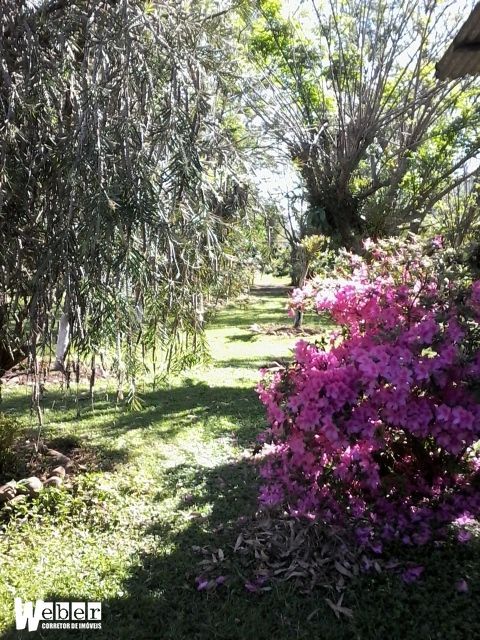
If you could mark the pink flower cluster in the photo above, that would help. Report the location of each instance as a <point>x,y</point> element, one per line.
<point>377,429</point>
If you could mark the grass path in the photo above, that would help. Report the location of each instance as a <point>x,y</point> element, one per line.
<point>173,477</point>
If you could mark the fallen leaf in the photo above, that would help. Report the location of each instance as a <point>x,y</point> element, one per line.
<point>238,543</point>
<point>343,570</point>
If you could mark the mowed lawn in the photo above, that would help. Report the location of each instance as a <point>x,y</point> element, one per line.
<point>176,475</point>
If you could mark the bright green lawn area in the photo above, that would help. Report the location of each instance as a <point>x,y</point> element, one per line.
<point>174,477</point>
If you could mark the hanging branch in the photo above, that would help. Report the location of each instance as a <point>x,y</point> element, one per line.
<point>112,163</point>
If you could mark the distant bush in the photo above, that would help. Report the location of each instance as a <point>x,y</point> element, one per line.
<point>376,426</point>
<point>281,263</point>
<point>320,255</point>
<point>9,432</point>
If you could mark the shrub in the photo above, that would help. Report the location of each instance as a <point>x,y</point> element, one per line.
<point>9,431</point>
<point>376,426</point>
<point>319,254</point>
<point>281,263</point>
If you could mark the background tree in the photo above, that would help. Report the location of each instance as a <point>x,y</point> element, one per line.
<point>350,94</point>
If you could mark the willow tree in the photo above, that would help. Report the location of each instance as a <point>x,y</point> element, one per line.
<point>118,180</point>
<point>349,93</point>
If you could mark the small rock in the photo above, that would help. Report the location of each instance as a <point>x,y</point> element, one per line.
<point>54,481</point>
<point>65,461</point>
<point>59,471</point>
<point>8,491</point>
<point>32,486</point>
<point>17,500</point>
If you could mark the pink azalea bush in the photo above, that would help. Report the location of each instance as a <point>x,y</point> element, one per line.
<point>376,426</point>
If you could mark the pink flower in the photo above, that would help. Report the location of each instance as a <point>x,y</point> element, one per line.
<point>475,294</point>
<point>271,495</point>
<point>412,574</point>
<point>461,586</point>
<point>202,584</point>
<point>255,585</point>
<point>463,535</point>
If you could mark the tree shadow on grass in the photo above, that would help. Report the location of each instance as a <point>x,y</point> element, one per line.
<point>165,413</point>
<point>60,403</point>
<point>160,600</point>
<point>241,319</point>
<point>270,291</point>
<point>253,363</point>
<point>242,337</point>
<point>187,403</point>
<point>168,411</point>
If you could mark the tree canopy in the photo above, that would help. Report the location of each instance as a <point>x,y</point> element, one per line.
<point>120,179</point>
<point>349,92</point>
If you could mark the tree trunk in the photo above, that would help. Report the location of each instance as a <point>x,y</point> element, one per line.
<point>63,340</point>
<point>334,211</point>
<point>299,273</point>
<point>298,264</point>
<point>297,321</point>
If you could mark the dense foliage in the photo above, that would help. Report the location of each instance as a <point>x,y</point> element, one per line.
<point>119,177</point>
<point>347,90</point>
<point>378,424</point>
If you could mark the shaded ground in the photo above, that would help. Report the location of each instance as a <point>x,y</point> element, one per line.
<point>264,290</point>
<point>180,480</point>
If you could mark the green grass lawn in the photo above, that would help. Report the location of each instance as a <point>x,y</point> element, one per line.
<point>174,476</point>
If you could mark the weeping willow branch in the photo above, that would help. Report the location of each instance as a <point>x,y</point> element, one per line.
<point>119,182</point>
